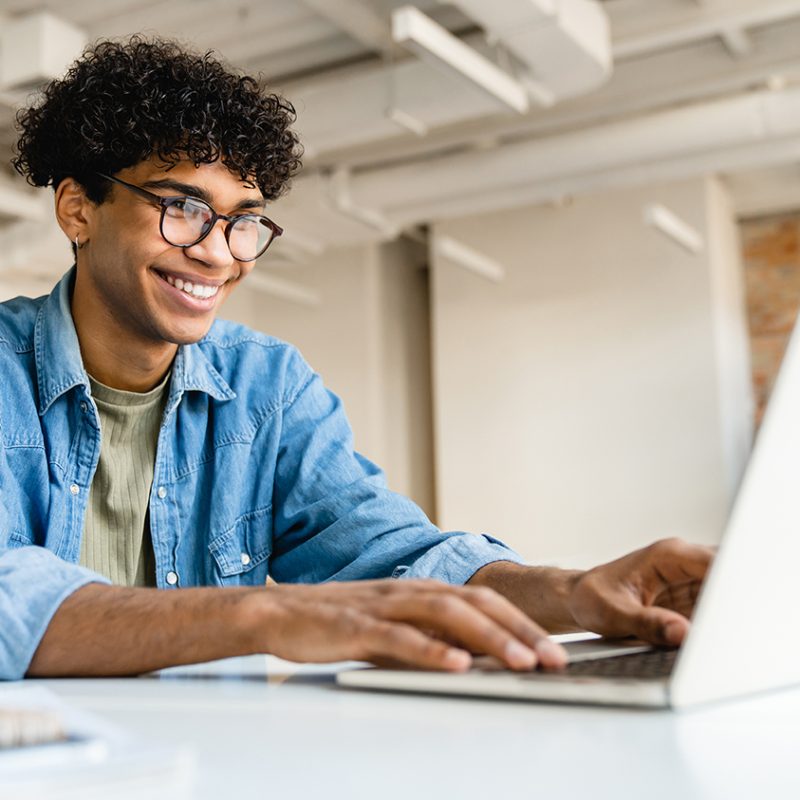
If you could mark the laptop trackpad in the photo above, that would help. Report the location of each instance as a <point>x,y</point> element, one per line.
<point>589,649</point>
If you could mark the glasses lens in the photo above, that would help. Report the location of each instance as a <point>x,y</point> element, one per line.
<point>249,237</point>
<point>186,220</point>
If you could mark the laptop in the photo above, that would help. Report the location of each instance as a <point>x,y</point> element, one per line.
<point>743,637</point>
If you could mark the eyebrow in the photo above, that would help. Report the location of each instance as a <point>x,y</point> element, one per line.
<point>196,191</point>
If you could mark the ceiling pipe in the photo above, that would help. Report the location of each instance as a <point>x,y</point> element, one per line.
<point>743,132</point>
<point>708,129</point>
<point>689,25</point>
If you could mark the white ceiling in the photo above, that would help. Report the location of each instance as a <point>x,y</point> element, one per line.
<point>334,60</point>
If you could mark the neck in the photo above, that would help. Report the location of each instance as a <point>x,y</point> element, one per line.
<point>114,356</point>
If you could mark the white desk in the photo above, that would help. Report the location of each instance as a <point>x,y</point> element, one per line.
<point>263,728</point>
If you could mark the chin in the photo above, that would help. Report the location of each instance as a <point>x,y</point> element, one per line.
<point>187,336</point>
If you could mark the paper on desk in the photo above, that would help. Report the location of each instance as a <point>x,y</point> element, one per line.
<point>101,760</point>
<point>269,668</point>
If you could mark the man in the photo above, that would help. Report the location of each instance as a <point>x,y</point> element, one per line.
<point>149,447</point>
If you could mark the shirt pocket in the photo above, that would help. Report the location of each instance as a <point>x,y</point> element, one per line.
<point>240,554</point>
<point>19,539</point>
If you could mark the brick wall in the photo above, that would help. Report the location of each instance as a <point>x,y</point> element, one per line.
<point>771,247</point>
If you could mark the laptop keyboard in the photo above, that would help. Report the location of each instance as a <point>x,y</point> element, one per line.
<point>652,664</point>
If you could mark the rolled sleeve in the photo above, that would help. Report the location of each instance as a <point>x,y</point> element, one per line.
<point>456,559</point>
<point>33,584</point>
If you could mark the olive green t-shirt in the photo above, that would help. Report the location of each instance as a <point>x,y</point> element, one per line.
<point>116,532</point>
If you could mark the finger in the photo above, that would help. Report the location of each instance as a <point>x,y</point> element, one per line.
<point>513,619</point>
<point>383,642</point>
<point>675,561</point>
<point>682,599</point>
<point>451,616</point>
<point>656,625</point>
<point>551,655</point>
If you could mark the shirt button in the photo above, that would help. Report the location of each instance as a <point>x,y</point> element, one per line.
<point>172,578</point>
<point>74,488</point>
<point>162,492</point>
<point>245,559</point>
<point>84,406</point>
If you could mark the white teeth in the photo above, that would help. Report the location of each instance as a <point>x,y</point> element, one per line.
<point>194,289</point>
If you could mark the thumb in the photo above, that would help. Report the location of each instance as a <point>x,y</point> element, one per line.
<point>659,625</point>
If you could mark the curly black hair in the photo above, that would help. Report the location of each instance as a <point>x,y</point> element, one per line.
<point>122,102</point>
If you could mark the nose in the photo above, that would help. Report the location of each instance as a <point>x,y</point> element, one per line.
<point>213,251</point>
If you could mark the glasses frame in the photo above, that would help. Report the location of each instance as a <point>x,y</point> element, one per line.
<point>165,202</point>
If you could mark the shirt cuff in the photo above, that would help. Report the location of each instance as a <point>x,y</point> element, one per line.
<point>458,558</point>
<point>33,584</point>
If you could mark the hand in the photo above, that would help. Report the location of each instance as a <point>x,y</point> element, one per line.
<point>650,593</point>
<point>421,623</point>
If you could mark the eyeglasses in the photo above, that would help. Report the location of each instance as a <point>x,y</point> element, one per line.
<point>186,221</point>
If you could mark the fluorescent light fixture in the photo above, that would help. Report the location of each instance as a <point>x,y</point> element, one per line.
<point>285,290</point>
<point>342,201</point>
<point>469,259</point>
<point>305,244</point>
<point>673,227</point>
<point>427,39</point>
<point>407,122</point>
<point>739,44</point>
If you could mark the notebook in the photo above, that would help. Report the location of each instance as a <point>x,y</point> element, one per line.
<point>55,750</point>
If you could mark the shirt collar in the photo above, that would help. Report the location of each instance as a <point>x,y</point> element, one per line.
<point>192,371</point>
<point>59,366</point>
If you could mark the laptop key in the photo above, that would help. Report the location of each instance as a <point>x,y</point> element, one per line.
<point>652,664</point>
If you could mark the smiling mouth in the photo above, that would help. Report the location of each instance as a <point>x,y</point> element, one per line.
<point>198,290</point>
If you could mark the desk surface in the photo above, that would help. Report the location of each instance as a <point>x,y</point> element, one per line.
<point>261,727</point>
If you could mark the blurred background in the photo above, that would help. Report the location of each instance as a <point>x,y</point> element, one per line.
<point>545,250</point>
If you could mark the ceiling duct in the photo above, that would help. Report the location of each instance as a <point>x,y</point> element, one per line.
<point>35,49</point>
<point>566,44</point>
<point>433,43</point>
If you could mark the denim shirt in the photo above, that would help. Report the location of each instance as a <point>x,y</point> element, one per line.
<point>255,474</point>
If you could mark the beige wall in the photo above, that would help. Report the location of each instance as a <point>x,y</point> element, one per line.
<point>25,283</point>
<point>578,407</point>
<point>405,373</point>
<point>736,396</point>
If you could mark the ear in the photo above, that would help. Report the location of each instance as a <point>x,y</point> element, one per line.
<point>74,210</point>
